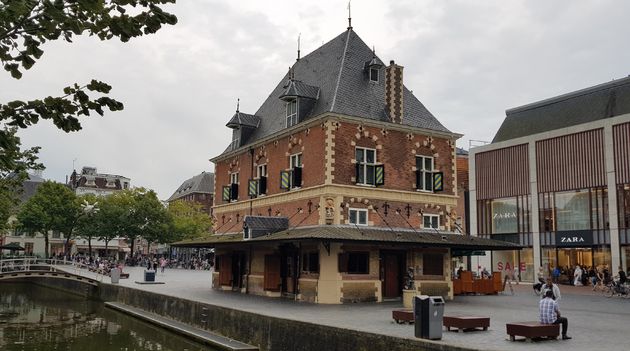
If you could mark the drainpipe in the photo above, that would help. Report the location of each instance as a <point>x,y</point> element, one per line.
<point>251,200</point>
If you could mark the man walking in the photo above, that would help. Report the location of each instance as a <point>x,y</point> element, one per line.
<point>550,313</point>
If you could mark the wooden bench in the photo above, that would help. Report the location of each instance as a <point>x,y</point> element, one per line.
<point>466,323</point>
<point>532,330</point>
<point>402,316</point>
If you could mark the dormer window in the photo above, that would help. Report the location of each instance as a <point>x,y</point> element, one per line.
<point>374,75</point>
<point>292,116</point>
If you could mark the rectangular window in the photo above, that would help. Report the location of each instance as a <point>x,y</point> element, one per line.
<point>573,210</point>
<point>424,173</point>
<point>261,175</point>
<point>261,171</point>
<point>310,262</point>
<point>433,264</point>
<point>504,216</point>
<point>354,262</point>
<point>358,216</point>
<point>374,75</point>
<point>295,164</point>
<point>366,166</point>
<point>431,221</point>
<point>623,198</point>
<point>292,115</point>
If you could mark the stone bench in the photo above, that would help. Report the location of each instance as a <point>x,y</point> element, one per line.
<point>532,330</point>
<point>402,316</point>
<point>466,323</point>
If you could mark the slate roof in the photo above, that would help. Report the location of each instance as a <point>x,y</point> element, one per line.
<point>267,223</point>
<point>29,187</point>
<point>297,88</point>
<point>244,119</point>
<point>363,234</point>
<point>337,69</point>
<point>582,106</point>
<point>201,183</point>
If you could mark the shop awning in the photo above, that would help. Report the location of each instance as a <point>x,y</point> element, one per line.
<point>344,233</point>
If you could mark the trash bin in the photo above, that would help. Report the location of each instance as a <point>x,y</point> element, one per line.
<point>428,313</point>
<point>149,276</point>
<point>115,275</point>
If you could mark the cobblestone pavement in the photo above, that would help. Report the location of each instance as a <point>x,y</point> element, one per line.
<point>595,322</point>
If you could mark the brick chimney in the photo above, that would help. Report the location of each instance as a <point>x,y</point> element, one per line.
<point>394,92</point>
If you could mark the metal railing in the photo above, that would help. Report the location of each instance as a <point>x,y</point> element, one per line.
<point>35,264</point>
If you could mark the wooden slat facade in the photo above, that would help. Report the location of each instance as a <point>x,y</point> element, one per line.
<point>574,161</point>
<point>621,142</point>
<point>502,172</point>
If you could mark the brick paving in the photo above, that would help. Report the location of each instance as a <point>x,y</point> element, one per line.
<point>595,322</point>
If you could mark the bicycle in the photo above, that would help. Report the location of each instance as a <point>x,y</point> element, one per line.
<point>616,288</point>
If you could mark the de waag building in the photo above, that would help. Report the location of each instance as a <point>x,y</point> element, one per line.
<point>556,180</point>
<point>339,186</point>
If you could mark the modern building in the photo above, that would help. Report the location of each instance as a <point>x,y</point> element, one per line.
<point>89,181</point>
<point>339,188</point>
<point>556,179</point>
<point>198,189</point>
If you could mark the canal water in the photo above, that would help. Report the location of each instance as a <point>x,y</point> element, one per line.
<point>34,318</point>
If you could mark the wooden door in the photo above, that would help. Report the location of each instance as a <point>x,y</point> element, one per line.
<point>272,273</point>
<point>391,287</point>
<point>225,270</point>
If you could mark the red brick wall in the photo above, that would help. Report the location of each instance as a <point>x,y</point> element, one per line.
<point>396,150</point>
<point>275,154</point>
<point>393,219</point>
<point>289,209</point>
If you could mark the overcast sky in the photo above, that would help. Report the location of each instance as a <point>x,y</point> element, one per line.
<point>467,61</point>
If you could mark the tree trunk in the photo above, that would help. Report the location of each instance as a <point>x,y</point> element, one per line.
<point>46,245</point>
<point>90,246</point>
<point>133,241</point>
<point>106,243</point>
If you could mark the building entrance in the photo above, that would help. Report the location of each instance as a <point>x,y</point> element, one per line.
<point>582,256</point>
<point>392,274</point>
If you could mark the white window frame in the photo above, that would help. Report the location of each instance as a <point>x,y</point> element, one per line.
<point>261,170</point>
<point>357,216</point>
<point>295,160</point>
<point>377,75</point>
<point>424,172</point>
<point>364,165</point>
<point>234,178</point>
<point>432,216</point>
<point>291,117</point>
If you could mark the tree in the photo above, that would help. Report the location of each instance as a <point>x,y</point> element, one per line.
<point>190,221</point>
<point>53,207</point>
<point>25,25</point>
<point>147,218</point>
<point>86,222</point>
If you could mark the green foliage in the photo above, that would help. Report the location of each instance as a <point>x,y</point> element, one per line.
<point>26,25</point>
<point>53,207</point>
<point>189,220</point>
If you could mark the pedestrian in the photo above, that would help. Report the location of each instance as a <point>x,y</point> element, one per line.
<point>550,286</point>
<point>556,275</point>
<point>163,264</point>
<point>550,313</point>
<point>623,278</point>
<point>155,264</point>
<point>509,277</point>
<point>577,276</point>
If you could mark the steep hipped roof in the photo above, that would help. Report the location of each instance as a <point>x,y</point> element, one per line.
<point>337,69</point>
<point>582,106</point>
<point>299,89</point>
<point>201,183</point>
<point>347,233</point>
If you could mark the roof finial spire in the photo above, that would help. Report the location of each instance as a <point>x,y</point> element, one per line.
<point>238,104</point>
<point>298,57</point>
<point>349,16</point>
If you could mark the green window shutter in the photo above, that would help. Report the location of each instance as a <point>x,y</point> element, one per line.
<point>379,175</point>
<point>252,187</point>
<point>438,181</point>
<point>285,180</point>
<point>226,193</point>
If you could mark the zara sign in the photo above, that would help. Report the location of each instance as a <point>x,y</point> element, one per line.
<point>574,238</point>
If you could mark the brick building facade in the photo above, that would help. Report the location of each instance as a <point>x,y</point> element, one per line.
<point>198,189</point>
<point>340,188</point>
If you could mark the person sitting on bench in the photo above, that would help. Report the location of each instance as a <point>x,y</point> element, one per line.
<point>550,313</point>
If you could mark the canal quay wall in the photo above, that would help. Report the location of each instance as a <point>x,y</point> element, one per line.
<point>267,332</point>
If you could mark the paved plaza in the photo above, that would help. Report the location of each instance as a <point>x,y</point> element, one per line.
<point>595,322</point>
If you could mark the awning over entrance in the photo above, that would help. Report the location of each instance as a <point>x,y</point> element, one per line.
<point>344,233</point>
